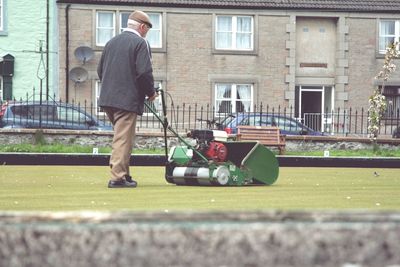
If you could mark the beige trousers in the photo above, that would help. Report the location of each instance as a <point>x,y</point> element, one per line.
<point>124,124</point>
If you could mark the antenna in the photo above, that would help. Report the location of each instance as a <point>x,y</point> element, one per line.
<point>84,53</point>
<point>78,74</point>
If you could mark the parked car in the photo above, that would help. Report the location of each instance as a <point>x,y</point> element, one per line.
<point>396,133</point>
<point>287,125</point>
<point>48,115</point>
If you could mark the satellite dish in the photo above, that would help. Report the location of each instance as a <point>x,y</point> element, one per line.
<point>84,53</point>
<point>78,74</point>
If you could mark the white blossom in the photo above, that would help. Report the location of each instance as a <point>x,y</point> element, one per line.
<point>377,101</point>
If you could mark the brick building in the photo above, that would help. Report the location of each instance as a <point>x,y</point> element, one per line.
<point>312,55</point>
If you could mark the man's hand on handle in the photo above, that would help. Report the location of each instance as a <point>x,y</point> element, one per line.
<point>151,98</point>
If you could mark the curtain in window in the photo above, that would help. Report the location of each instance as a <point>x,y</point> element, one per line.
<point>244,98</point>
<point>154,34</point>
<point>243,36</point>
<point>105,27</point>
<point>386,34</point>
<point>392,95</point>
<point>223,98</point>
<point>393,106</point>
<point>224,32</point>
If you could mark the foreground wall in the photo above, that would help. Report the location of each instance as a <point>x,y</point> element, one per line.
<point>270,238</point>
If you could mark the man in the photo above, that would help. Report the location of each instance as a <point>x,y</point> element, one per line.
<point>126,78</point>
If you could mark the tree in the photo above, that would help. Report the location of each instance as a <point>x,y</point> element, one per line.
<point>377,101</point>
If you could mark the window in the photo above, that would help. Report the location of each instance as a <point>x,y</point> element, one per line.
<point>231,98</point>
<point>257,120</point>
<point>71,116</point>
<point>99,110</point>
<point>389,32</point>
<point>123,20</point>
<point>234,33</point>
<point>286,123</point>
<point>392,95</point>
<point>35,112</point>
<point>105,27</point>
<point>154,35</point>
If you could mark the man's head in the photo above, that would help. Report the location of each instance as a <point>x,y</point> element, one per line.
<point>139,21</point>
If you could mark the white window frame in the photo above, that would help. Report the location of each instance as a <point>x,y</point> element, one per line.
<point>121,26</point>
<point>98,28</point>
<point>391,108</point>
<point>1,15</point>
<point>118,26</point>
<point>1,89</point>
<point>156,31</point>
<point>96,98</point>
<point>234,32</point>
<point>232,99</point>
<point>396,35</point>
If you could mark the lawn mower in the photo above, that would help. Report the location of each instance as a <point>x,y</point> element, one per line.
<point>211,159</point>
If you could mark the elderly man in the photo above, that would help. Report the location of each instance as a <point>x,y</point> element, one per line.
<point>126,76</point>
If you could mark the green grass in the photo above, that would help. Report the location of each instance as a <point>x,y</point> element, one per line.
<point>60,188</point>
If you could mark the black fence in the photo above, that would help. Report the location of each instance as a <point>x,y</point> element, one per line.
<point>351,122</point>
<point>47,113</point>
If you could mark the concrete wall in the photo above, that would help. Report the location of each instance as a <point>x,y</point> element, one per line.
<point>265,238</point>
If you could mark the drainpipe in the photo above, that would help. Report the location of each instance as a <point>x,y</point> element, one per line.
<point>67,53</point>
<point>47,47</point>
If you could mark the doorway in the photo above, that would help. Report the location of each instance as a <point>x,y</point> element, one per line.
<point>315,104</point>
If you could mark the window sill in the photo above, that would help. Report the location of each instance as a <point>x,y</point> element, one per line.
<point>234,52</point>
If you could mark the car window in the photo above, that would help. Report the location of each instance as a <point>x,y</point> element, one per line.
<point>259,121</point>
<point>225,121</point>
<point>71,115</point>
<point>34,112</point>
<point>285,123</point>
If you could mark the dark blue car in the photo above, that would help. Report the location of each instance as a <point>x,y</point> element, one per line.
<point>287,125</point>
<point>48,115</point>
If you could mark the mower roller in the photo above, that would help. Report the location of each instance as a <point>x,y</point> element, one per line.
<point>215,161</point>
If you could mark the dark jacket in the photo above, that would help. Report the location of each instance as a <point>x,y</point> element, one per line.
<point>126,73</point>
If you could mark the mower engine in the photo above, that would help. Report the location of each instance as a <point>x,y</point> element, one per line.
<point>213,160</point>
<point>208,146</point>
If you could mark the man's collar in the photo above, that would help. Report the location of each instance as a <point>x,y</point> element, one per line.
<point>132,30</point>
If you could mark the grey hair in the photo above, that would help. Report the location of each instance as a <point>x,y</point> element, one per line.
<point>133,23</point>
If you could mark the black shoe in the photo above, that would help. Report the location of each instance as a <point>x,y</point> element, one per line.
<point>129,179</point>
<point>122,183</point>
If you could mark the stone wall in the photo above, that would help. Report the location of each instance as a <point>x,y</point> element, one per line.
<point>268,238</point>
<point>156,140</point>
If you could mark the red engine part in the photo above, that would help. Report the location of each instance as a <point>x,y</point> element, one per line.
<point>217,151</point>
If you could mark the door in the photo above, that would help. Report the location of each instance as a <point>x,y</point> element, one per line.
<point>311,107</point>
<point>315,106</point>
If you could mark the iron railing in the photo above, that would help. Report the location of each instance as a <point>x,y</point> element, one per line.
<point>349,122</point>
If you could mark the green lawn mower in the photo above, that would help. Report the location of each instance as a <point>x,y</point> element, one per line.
<point>211,160</point>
